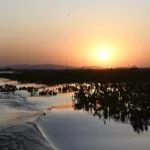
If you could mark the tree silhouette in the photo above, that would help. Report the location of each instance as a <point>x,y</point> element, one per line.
<point>124,102</point>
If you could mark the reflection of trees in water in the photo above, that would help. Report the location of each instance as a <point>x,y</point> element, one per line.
<point>41,91</point>
<point>125,102</point>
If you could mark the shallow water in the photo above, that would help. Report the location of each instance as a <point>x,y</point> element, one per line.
<point>23,127</point>
<point>81,131</point>
<point>47,101</point>
<point>19,120</point>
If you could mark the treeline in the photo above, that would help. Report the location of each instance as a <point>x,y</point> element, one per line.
<point>79,76</point>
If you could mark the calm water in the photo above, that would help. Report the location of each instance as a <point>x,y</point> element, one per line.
<point>75,130</point>
<point>22,126</point>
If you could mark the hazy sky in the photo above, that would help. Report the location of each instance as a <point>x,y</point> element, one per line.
<point>69,32</point>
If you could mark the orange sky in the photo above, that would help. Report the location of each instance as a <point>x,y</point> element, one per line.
<point>73,32</point>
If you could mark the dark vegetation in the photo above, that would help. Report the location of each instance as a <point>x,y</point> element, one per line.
<point>52,77</point>
<point>40,91</point>
<point>124,102</point>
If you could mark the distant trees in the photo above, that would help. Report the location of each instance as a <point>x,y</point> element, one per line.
<point>53,77</point>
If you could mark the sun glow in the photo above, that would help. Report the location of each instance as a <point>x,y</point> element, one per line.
<point>104,55</point>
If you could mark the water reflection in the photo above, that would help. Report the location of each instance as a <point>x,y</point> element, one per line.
<point>39,90</point>
<point>123,102</point>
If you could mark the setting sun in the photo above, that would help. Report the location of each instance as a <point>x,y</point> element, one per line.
<point>104,55</point>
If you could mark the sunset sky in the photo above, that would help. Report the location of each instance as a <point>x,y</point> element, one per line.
<point>106,33</point>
